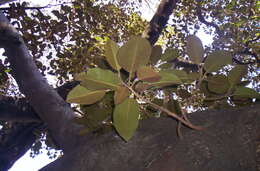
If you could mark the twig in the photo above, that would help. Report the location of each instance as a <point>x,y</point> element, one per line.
<point>168,112</point>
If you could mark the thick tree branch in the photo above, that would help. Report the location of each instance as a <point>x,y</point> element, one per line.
<point>16,143</point>
<point>229,142</point>
<point>18,110</point>
<point>50,107</point>
<point>6,1</point>
<point>159,20</point>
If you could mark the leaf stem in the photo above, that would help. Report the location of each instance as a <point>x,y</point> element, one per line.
<point>168,112</point>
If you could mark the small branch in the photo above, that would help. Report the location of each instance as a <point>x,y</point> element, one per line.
<point>157,107</point>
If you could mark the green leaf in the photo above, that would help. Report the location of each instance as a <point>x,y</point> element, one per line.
<point>216,60</point>
<point>246,92</point>
<point>166,65</point>
<point>236,74</point>
<point>170,54</point>
<point>148,74</point>
<point>111,50</point>
<point>194,76</point>
<point>195,49</point>
<point>121,94</point>
<point>167,78</point>
<point>97,79</point>
<point>134,54</point>
<point>181,74</point>
<point>125,118</point>
<point>218,84</point>
<point>81,95</point>
<point>156,54</point>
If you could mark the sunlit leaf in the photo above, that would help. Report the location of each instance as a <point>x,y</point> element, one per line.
<point>195,49</point>
<point>216,60</point>
<point>246,92</point>
<point>148,74</point>
<point>166,65</point>
<point>121,94</point>
<point>81,95</point>
<point>111,50</point>
<point>236,74</point>
<point>134,54</point>
<point>97,79</point>
<point>125,118</point>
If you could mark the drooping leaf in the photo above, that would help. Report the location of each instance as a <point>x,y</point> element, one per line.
<point>148,74</point>
<point>121,94</point>
<point>81,95</point>
<point>216,60</point>
<point>218,84</point>
<point>156,54</point>
<point>134,54</point>
<point>246,92</point>
<point>195,49</point>
<point>97,79</point>
<point>125,118</point>
<point>111,50</point>
<point>170,54</point>
<point>236,74</point>
<point>167,78</point>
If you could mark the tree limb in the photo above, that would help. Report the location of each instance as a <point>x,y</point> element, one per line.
<point>159,20</point>
<point>50,107</point>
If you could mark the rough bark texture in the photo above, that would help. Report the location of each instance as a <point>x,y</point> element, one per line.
<point>229,142</point>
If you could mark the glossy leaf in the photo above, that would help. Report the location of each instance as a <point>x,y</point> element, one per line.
<point>195,49</point>
<point>121,94</point>
<point>111,50</point>
<point>246,92</point>
<point>125,118</point>
<point>236,74</point>
<point>81,95</point>
<point>148,74</point>
<point>216,60</point>
<point>134,54</point>
<point>97,79</point>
